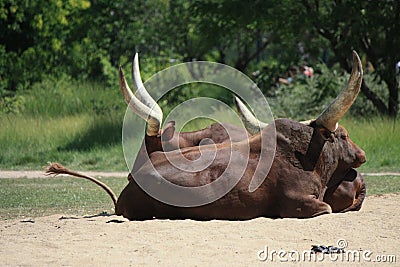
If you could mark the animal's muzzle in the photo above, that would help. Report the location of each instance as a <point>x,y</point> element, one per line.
<point>361,158</point>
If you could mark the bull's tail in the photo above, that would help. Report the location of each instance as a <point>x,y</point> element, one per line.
<point>360,196</point>
<point>56,169</point>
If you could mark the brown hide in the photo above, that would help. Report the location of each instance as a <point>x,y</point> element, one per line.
<point>289,190</point>
<point>170,140</point>
<point>348,195</point>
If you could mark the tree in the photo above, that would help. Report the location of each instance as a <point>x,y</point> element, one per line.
<point>34,38</point>
<point>237,29</point>
<point>339,26</point>
<point>370,27</point>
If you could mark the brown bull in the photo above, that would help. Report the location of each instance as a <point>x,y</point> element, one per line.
<point>167,139</point>
<point>347,195</point>
<point>342,199</point>
<point>308,159</point>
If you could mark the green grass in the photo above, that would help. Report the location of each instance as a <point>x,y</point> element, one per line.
<point>93,142</point>
<point>25,198</point>
<point>64,97</point>
<point>76,123</point>
<point>382,184</point>
<point>84,141</point>
<point>380,139</point>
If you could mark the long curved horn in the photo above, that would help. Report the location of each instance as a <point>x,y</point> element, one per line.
<point>334,112</point>
<point>152,117</point>
<point>138,86</point>
<point>251,123</point>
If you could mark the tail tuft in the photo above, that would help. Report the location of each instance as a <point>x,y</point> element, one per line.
<point>55,168</point>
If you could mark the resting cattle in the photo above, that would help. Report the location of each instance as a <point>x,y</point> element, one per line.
<point>347,195</point>
<point>308,158</point>
<point>167,139</point>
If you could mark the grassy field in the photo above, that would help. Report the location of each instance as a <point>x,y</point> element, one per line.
<point>380,139</point>
<point>84,141</point>
<point>25,197</point>
<point>93,142</point>
<point>29,198</point>
<point>76,123</point>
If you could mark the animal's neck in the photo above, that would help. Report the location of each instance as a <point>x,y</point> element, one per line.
<point>153,143</point>
<point>314,150</point>
<point>329,165</point>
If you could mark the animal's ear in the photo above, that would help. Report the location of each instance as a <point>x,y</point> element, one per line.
<point>326,134</point>
<point>168,131</point>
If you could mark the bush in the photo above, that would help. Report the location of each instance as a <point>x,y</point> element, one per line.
<point>12,105</point>
<point>306,97</point>
<point>58,97</point>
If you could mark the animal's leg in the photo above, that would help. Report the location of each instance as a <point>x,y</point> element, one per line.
<point>340,197</point>
<point>360,194</point>
<point>305,207</point>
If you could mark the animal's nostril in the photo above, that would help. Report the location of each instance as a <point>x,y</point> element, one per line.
<point>361,157</point>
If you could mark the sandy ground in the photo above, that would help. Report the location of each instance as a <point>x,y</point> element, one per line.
<point>65,240</point>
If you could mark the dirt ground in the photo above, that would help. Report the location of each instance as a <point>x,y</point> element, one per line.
<point>369,236</point>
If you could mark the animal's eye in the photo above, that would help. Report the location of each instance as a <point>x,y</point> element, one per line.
<point>344,136</point>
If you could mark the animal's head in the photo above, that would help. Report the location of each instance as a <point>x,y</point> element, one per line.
<point>343,153</point>
<point>349,154</point>
<point>346,152</point>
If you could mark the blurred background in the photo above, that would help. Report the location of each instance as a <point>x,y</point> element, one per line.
<point>59,96</point>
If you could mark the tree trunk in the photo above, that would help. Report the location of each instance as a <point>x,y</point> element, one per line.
<point>376,101</point>
<point>393,103</point>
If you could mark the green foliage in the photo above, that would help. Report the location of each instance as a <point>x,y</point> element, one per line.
<point>55,97</point>
<point>189,91</point>
<point>36,35</point>
<point>371,28</point>
<point>12,105</point>
<point>306,97</point>
<point>363,107</point>
<point>89,39</point>
<point>77,123</point>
